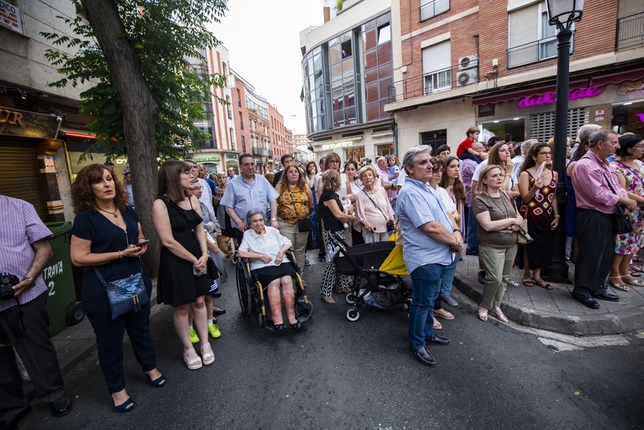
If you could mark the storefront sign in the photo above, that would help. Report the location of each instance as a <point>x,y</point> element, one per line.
<point>551,98</point>
<point>231,157</point>
<point>640,116</point>
<point>11,17</point>
<point>15,122</point>
<point>337,145</point>
<point>205,159</point>
<point>631,87</point>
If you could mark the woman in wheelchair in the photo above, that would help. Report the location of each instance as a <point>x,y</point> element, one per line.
<point>265,247</point>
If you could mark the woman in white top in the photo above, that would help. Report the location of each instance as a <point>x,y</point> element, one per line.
<point>332,162</point>
<point>373,209</point>
<point>353,187</point>
<point>265,246</point>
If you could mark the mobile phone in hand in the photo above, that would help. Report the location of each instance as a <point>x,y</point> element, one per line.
<point>143,242</point>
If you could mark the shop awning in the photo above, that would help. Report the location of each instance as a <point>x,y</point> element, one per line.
<point>577,83</point>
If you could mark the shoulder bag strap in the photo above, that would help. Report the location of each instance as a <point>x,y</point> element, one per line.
<point>374,203</point>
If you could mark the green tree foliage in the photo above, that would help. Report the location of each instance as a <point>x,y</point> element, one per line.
<point>168,36</point>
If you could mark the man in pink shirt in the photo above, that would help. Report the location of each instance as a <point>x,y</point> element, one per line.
<point>594,182</point>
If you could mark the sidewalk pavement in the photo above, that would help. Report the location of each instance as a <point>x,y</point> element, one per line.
<point>555,310</point>
<point>534,307</point>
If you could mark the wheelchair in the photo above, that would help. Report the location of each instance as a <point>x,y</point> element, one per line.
<point>252,294</point>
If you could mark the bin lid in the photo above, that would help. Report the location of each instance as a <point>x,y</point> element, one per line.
<point>60,227</point>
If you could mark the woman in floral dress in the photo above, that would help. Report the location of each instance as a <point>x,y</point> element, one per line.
<point>630,172</point>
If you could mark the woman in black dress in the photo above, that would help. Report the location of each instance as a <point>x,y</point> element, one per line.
<point>182,281</point>
<point>104,237</point>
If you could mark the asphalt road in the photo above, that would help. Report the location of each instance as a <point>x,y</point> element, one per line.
<point>337,374</point>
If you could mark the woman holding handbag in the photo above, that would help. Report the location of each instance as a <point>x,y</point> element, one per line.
<point>106,240</point>
<point>183,281</point>
<point>499,223</point>
<point>293,206</point>
<point>538,186</point>
<point>373,209</point>
<point>630,173</point>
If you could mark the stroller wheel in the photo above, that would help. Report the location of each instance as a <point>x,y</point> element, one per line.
<point>351,298</point>
<point>353,314</point>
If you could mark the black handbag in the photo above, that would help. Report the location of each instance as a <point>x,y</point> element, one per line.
<point>391,226</point>
<point>621,223</point>
<point>126,294</point>
<point>304,224</point>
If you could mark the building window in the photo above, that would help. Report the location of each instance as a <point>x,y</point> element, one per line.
<point>244,144</point>
<point>343,85</point>
<point>384,34</point>
<point>233,144</point>
<point>431,8</point>
<point>530,37</point>
<point>229,108</point>
<point>224,68</point>
<point>437,70</point>
<point>241,121</point>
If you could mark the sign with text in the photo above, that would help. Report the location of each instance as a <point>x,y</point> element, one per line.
<point>15,122</point>
<point>11,17</point>
<point>337,145</point>
<point>631,87</point>
<point>551,98</point>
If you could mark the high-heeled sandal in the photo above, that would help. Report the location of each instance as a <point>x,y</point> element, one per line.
<point>159,382</point>
<point>498,314</point>
<point>126,406</point>
<point>207,357</point>
<point>193,364</point>
<point>618,286</point>
<point>483,314</point>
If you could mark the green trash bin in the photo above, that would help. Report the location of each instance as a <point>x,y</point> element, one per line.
<point>58,275</point>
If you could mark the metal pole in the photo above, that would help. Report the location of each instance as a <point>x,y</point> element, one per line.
<point>557,271</point>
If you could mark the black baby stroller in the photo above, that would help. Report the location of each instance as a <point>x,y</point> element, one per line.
<point>371,286</point>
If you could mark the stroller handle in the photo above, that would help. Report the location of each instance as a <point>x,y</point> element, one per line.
<point>335,236</point>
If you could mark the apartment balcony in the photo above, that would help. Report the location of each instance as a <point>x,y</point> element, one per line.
<point>263,152</point>
<point>630,32</point>
<point>430,83</point>
<point>270,153</point>
<point>256,150</point>
<point>533,52</point>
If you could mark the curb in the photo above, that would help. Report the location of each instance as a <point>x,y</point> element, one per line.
<point>583,325</point>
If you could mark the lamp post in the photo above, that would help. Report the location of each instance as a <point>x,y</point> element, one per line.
<point>569,11</point>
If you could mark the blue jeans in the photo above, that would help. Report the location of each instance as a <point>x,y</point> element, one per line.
<point>472,231</point>
<point>426,281</point>
<point>448,277</point>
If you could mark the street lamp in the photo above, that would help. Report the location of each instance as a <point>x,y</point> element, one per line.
<point>561,13</point>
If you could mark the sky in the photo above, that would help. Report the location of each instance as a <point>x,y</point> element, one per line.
<point>263,42</point>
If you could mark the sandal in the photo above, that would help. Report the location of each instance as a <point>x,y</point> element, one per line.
<point>483,314</point>
<point>208,357</point>
<point>496,313</point>
<point>126,406</point>
<point>193,364</point>
<point>543,284</point>
<point>636,259</point>
<point>437,325</point>
<point>633,282</point>
<point>621,287</point>
<point>636,268</point>
<point>528,281</point>
<point>159,382</point>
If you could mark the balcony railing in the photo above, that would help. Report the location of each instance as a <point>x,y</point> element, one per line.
<point>270,153</point>
<point>433,82</point>
<point>630,32</point>
<point>533,52</point>
<point>256,150</point>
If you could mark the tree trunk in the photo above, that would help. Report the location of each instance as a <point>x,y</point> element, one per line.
<point>140,113</point>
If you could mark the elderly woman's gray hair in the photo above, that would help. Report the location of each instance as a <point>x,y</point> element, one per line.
<point>251,213</point>
<point>586,130</point>
<point>410,156</point>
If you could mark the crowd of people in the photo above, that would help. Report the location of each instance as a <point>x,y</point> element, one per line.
<point>495,200</point>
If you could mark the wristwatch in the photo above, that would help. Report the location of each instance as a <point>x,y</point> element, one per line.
<point>31,280</point>
<point>273,219</point>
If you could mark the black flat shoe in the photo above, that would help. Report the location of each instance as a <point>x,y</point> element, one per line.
<point>280,327</point>
<point>296,326</point>
<point>609,297</point>
<point>61,406</point>
<point>217,311</point>
<point>438,340</point>
<point>587,301</point>
<point>423,356</point>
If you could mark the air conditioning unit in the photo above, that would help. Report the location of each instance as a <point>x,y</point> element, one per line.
<point>468,62</point>
<point>467,77</point>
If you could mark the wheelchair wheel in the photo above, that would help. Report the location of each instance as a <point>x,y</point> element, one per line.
<point>351,298</point>
<point>353,314</point>
<point>303,310</point>
<point>244,290</point>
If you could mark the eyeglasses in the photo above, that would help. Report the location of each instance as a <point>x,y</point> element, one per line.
<point>248,164</point>
<point>187,172</point>
<point>498,175</point>
<point>545,154</point>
